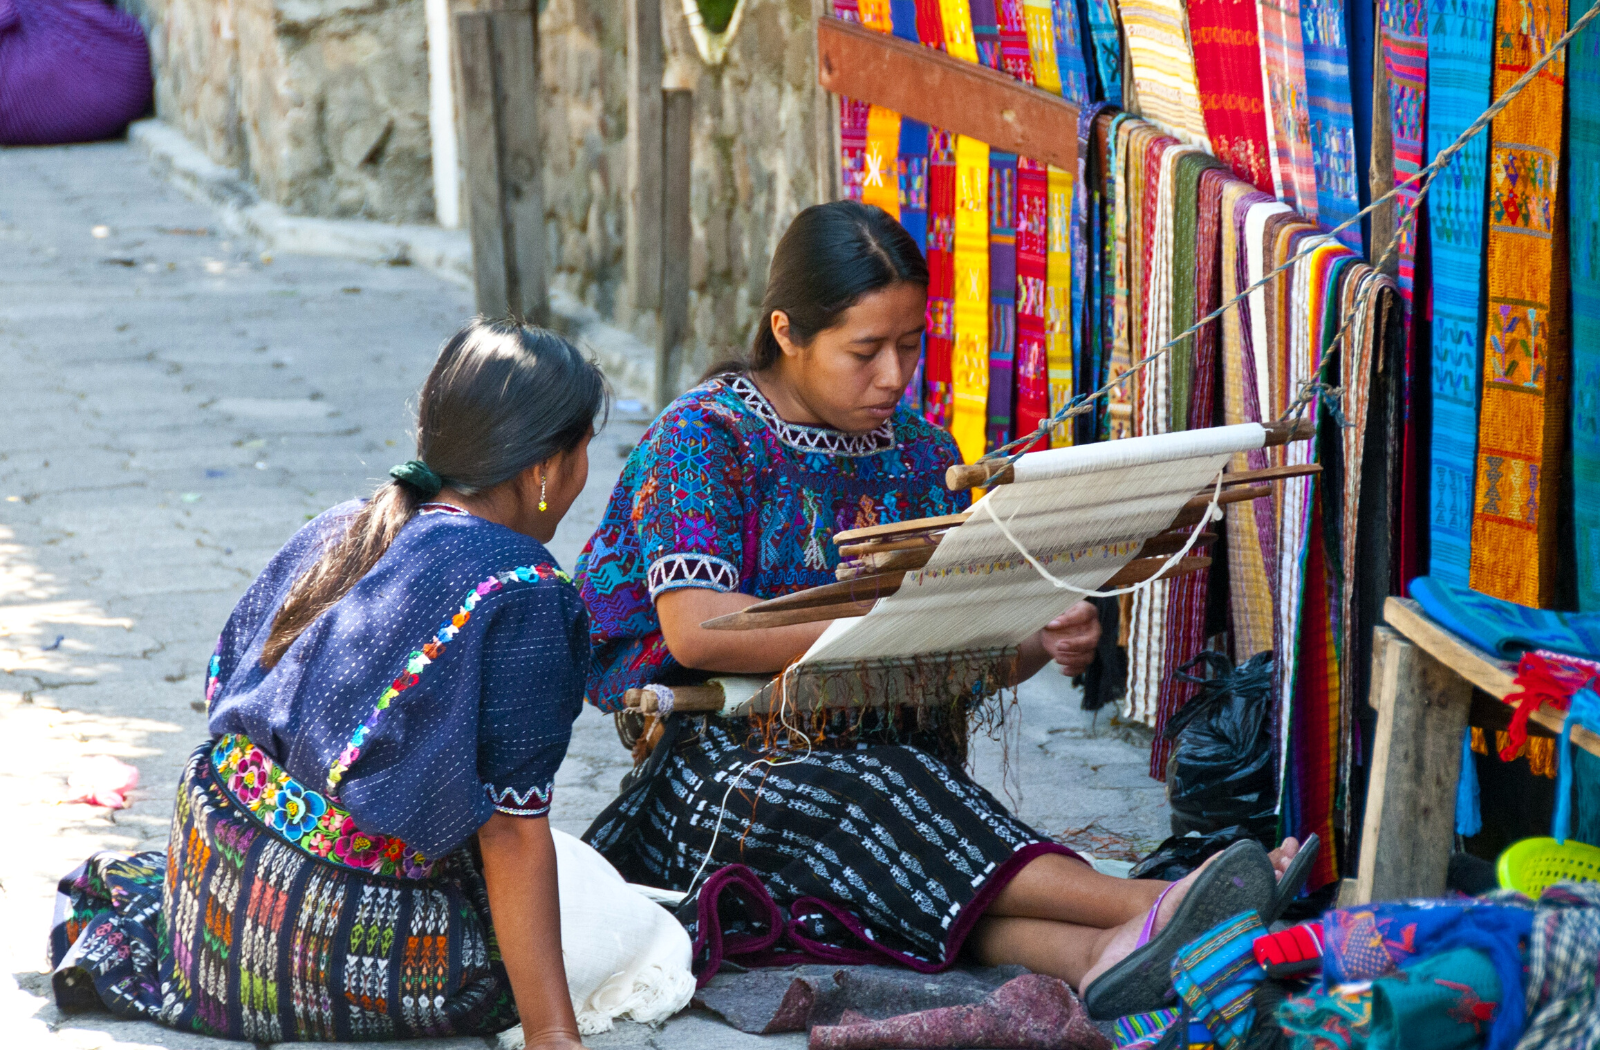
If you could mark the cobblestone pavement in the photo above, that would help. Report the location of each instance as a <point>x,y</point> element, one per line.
<point>172,406</point>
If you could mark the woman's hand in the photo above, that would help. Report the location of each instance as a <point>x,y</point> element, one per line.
<point>1071,638</point>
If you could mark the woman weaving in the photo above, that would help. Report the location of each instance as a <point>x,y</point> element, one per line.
<point>388,705</point>
<point>882,849</point>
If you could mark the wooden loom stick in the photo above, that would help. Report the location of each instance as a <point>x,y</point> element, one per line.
<point>684,698</point>
<point>764,614</point>
<point>874,563</point>
<point>995,472</point>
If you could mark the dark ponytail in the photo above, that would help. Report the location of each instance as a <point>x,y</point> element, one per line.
<point>501,397</point>
<point>830,256</point>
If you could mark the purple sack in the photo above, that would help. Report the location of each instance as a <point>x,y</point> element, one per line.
<point>70,71</point>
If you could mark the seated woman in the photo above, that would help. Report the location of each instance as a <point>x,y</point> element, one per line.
<point>388,705</point>
<point>882,848</point>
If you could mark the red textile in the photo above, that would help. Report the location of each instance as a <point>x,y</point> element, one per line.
<point>852,120</point>
<point>941,341</point>
<point>1032,368</point>
<point>930,24</point>
<point>1296,950</point>
<point>1227,68</point>
<point>1014,55</point>
<point>1544,678</point>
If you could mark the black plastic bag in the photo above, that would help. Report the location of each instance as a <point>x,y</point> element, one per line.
<point>1221,773</point>
<point>1181,854</point>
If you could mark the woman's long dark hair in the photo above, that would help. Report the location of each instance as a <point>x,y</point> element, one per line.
<point>501,397</point>
<point>830,256</point>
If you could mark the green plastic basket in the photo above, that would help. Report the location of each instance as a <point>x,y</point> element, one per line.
<point>1532,864</point>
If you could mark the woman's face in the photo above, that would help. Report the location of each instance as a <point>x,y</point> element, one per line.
<point>852,375</point>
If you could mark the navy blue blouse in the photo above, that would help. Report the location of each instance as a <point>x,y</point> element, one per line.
<point>440,689</point>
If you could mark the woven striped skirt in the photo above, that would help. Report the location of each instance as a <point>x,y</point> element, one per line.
<point>240,931</point>
<point>881,853</point>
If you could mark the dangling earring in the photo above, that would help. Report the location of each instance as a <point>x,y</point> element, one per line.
<point>543,506</point>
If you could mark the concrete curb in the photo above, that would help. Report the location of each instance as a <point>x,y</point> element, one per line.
<point>628,363</point>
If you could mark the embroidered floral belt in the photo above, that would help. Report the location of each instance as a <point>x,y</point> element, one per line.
<point>306,819</point>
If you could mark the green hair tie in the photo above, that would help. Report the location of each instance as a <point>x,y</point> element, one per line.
<point>419,476</point>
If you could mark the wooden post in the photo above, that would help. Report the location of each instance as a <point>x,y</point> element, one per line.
<point>677,131</point>
<point>826,149</point>
<point>498,57</point>
<point>1409,829</point>
<point>645,67</point>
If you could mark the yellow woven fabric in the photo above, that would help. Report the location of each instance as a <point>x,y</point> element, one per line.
<point>1163,68</point>
<point>958,40</point>
<point>970,363</point>
<point>1040,23</point>
<point>877,14</point>
<point>880,177</point>
<point>1522,418</point>
<point>1058,298</point>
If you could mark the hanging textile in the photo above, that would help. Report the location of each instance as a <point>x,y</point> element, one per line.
<point>852,121</point>
<point>1076,352</point>
<point>1015,54</point>
<point>1106,37</point>
<point>986,31</point>
<point>1163,68</point>
<point>955,22</point>
<point>1033,376</point>
<point>930,24</point>
<point>1523,417</point>
<point>1405,61</point>
<point>1058,282</point>
<point>970,360</point>
<point>1227,66</point>
<point>912,177</point>
<point>1067,30</point>
<point>1106,272</point>
<point>1328,103</point>
<point>903,20</point>
<point>880,169</point>
<point>1583,72</point>
<point>938,382</point>
<point>1250,538</point>
<point>1002,294</point>
<point>1040,24</point>
<point>1460,57</point>
<point>1288,121</point>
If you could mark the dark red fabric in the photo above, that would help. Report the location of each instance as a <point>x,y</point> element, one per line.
<point>1227,70</point>
<point>70,71</point>
<point>1032,1012</point>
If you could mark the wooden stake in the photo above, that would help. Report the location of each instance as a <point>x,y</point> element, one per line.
<point>645,65</point>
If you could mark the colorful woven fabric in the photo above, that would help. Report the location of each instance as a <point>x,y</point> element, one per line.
<point>1523,419</point>
<point>880,160</point>
<point>939,381</point>
<point>1002,295</point>
<point>955,23</point>
<point>970,363</point>
<point>1140,1031</point>
<point>1071,71</point>
<point>1332,1020</point>
<point>1227,66</point>
<point>986,31</point>
<point>1444,1002</point>
<point>1460,56</point>
<point>1583,205</point>
<point>1039,21</point>
<point>913,180</point>
<point>1405,61</point>
<point>1215,976</point>
<point>1105,36</point>
<point>1060,318</point>
<point>1314,740</point>
<point>1015,48</point>
<point>257,940</point>
<point>852,120</point>
<point>930,24</point>
<point>1561,984</point>
<point>1033,370</point>
<point>1163,68</point>
<point>1288,120</point>
<point>1328,103</point>
<point>1504,628</point>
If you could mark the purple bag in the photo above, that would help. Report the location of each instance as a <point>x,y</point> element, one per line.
<point>70,71</point>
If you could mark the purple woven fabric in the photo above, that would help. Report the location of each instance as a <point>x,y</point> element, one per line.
<point>70,71</point>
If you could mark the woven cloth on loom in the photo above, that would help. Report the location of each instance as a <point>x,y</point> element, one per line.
<point>1250,545</point>
<point>1058,286</point>
<point>1288,121</point>
<point>1333,133</point>
<point>1227,66</point>
<point>970,360</point>
<point>1106,37</point>
<point>1157,33</point>
<point>1033,375</point>
<point>1460,57</point>
<point>1583,140</point>
<point>1405,61</point>
<point>939,388</point>
<point>1524,413</point>
<point>1002,294</point>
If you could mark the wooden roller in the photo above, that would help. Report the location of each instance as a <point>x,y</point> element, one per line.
<point>698,698</point>
<point>771,614</point>
<point>908,560</point>
<point>999,472</point>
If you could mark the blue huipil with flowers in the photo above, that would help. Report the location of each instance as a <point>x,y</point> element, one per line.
<point>722,493</point>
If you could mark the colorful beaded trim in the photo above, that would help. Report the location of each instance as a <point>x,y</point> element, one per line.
<point>313,822</point>
<point>421,658</point>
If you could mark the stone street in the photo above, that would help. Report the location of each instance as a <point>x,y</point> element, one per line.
<point>173,404</point>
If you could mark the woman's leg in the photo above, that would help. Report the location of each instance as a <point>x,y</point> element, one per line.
<point>1076,954</point>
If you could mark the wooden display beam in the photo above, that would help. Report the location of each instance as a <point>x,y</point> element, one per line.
<point>928,85</point>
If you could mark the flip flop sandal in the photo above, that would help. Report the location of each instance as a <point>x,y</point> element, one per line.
<point>1294,879</point>
<point>1240,879</point>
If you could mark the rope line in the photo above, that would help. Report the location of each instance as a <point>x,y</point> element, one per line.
<point>1423,179</point>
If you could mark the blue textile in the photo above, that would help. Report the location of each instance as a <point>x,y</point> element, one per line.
<point>1105,37</point>
<point>1216,976</point>
<point>484,725</point>
<point>1069,51</point>
<point>1469,812</point>
<point>1503,627</point>
<point>1585,711</point>
<point>1329,106</point>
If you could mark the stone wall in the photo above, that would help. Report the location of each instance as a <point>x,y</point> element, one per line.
<point>322,103</point>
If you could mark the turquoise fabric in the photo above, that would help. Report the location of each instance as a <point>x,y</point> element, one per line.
<point>1444,1002</point>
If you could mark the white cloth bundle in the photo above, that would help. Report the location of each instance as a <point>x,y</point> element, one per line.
<point>625,956</point>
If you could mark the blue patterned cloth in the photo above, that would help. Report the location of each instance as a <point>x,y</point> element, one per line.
<point>722,493</point>
<point>440,689</point>
<point>1503,627</point>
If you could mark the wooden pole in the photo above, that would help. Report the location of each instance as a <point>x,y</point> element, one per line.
<point>677,130</point>
<point>645,66</point>
<point>498,57</point>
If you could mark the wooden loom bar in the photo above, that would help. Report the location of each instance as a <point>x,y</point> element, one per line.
<point>971,475</point>
<point>877,563</point>
<point>928,85</point>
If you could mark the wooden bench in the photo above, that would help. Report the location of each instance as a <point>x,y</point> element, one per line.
<point>1423,687</point>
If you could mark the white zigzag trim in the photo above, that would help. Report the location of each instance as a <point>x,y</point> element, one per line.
<point>812,439</point>
<point>517,803</point>
<point>672,571</point>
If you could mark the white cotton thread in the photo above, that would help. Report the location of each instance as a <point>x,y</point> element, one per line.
<point>663,695</point>
<point>1212,513</point>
